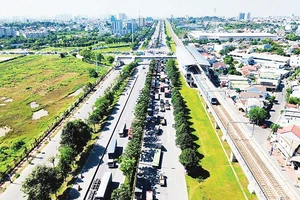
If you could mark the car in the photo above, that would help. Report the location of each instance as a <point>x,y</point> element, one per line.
<point>264,126</point>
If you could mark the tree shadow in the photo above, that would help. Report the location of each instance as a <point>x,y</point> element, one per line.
<point>93,158</point>
<point>198,172</point>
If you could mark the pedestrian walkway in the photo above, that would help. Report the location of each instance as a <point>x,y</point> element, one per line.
<point>49,149</point>
<point>287,170</point>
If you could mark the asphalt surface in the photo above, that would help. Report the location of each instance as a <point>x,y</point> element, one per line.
<point>122,113</point>
<point>170,167</point>
<point>13,191</point>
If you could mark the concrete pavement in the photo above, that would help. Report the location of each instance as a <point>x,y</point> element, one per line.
<point>13,191</point>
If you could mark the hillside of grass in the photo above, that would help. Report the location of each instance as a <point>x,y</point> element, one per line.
<point>46,80</point>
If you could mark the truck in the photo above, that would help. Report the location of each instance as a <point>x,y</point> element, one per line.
<point>162,107</point>
<point>111,152</point>
<point>103,192</point>
<point>162,121</point>
<point>149,195</point>
<point>161,179</point>
<point>156,129</point>
<point>122,130</point>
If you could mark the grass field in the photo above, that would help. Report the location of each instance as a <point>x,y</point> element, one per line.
<point>115,49</point>
<point>172,43</point>
<point>221,182</point>
<point>47,80</point>
<point>59,49</point>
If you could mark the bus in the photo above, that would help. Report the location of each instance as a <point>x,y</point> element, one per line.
<point>111,152</point>
<point>103,192</point>
<point>149,195</point>
<point>162,76</point>
<point>156,96</point>
<point>156,159</point>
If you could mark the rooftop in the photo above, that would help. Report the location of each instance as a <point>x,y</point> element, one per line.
<point>291,128</point>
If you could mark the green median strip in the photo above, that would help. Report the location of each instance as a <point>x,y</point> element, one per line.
<point>221,182</point>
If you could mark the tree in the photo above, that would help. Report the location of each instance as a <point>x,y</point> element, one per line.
<point>66,157</point>
<point>274,127</point>
<point>228,60</point>
<point>185,141</point>
<point>271,99</point>
<point>100,57</point>
<point>75,134</point>
<point>257,114</point>
<point>86,53</point>
<point>127,166</point>
<point>41,182</point>
<point>122,193</point>
<point>94,119</point>
<point>189,158</point>
<point>110,59</point>
<point>93,73</point>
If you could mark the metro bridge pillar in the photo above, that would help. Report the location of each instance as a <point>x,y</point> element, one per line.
<point>232,157</point>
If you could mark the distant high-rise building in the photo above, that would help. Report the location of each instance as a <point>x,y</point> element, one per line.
<point>112,18</point>
<point>141,22</point>
<point>248,18</point>
<point>122,16</point>
<point>131,26</point>
<point>241,16</point>
<point>117,27</point>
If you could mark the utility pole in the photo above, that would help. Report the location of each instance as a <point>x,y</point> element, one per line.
<point>132,31</point>
<point>96,62</point>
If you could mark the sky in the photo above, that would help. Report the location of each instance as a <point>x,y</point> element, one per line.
<point>154,8</point>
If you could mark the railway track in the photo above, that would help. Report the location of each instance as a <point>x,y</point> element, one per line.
<point>264,177</point>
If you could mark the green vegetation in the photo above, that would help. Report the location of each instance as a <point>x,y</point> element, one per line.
<point>170,42</point>
<point>257,115</point>
<point>42,181</point>
<point>231,69</point>
<point>220,176</point>
<point>130,157</point>
<point>292,37</point>
<point>46,80</point>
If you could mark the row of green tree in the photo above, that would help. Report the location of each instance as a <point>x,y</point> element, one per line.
<point>189,156</point>
<point>129,159</point>
<point>45,180</point>
<point>104,104</point>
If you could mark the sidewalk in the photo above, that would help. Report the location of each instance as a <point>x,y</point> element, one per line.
<point>13,191</point>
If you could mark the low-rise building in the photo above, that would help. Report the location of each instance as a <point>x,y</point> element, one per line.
<point>288,140</point>
<point>269,79</point>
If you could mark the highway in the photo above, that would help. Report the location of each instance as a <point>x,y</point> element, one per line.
<point>170,167</point>
<point>96,164</point>
<point>266,175</point>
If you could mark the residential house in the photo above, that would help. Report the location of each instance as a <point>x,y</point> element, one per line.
<point>210,58</point>
<point>220,66</point>
<point>288,140</point>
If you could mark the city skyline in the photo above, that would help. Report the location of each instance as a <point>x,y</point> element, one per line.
<point>134,8</point>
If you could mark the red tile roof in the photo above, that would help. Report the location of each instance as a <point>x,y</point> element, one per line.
<point>292,128</point>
